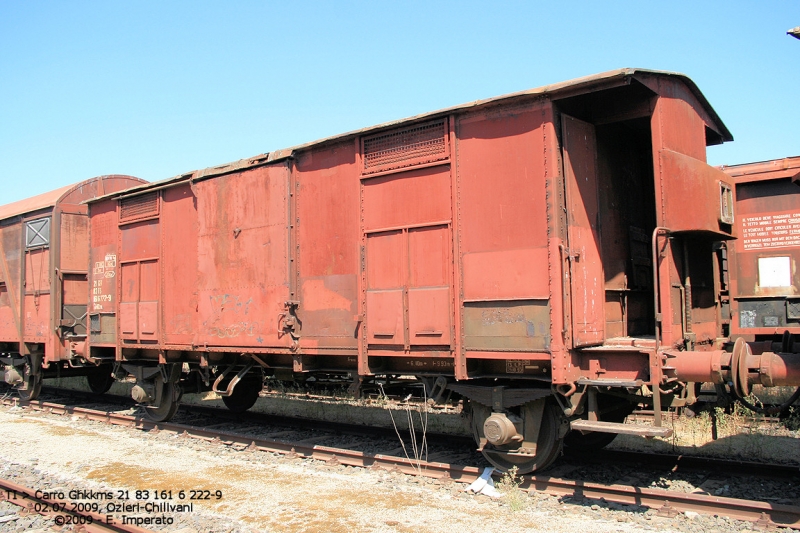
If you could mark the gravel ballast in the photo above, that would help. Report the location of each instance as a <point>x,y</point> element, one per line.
<point>264,492</point>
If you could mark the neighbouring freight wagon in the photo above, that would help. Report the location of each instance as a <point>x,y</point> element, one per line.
<point>764,281</point>
<point>551,256</point>
<point>44,254</point>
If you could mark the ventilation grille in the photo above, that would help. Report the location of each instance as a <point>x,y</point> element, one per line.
<point>139,207</point>
<point>408,146</point>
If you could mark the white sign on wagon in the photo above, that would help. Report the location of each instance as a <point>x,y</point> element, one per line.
<point>774,272</point>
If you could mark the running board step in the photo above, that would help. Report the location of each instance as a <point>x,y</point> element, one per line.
<point>615,427</point>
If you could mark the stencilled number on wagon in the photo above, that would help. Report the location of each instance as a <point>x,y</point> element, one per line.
<point>516,366</point>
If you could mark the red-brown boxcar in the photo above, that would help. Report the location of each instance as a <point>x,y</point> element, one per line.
<point>549,255</point>
<point>765,283</point>
<point>44,246</point>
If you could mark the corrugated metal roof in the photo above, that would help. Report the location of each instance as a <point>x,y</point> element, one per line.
<point>554,90</point>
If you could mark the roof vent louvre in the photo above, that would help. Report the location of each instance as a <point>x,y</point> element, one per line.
<point>408,146</point>
<point>137,207</point>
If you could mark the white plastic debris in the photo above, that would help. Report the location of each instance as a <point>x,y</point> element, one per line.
<point>484,484</point>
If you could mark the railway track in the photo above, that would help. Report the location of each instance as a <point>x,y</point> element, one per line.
<point>667,502</point>
<point>64,512</point>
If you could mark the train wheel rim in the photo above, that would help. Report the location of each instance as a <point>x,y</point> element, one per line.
<point>100,382</point>
<point>169,404</point>
<point>33,390</point>
<point>243,398</point>
<point>548,446</point>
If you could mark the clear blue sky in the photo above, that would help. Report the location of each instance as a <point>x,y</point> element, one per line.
<point>154,89</point>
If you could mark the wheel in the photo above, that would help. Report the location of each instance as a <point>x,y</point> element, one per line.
<point>592,440</point>
<point>504,458</point>
<point>32,391</point>
<point>244,396</point>
<point>169,404</point>
<point>32,381</point>
<point>100,380</point>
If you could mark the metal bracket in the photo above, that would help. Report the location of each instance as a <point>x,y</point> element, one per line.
<point>290,324</point>
<point>236,379</point>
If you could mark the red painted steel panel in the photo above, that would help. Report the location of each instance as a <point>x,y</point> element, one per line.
<point>149,290</point>
<point>148,320</point>
<point>8,323</point>
<point>415,263</point>
<point>505,275</point>
<point>683,131</point>
<point>129,299</point>
<point>103,256</point>
<point>691,191</point>
<point>103,224</point>
<point>36,303</point>
<point>501,181</point>
<point>74,239</point>
<point>103,276</point>
<point>10,265</point>
<point>765,280</point>
<point>429,316</point>
<point>587,287</point>
<point>38,308</point>
<point>243,265</point>
<point>407,199</point>
<point>37,270</point>
<point>386,260</point>
<point>37,318</point>
<point>386,269</point>
<point>429,301</point>
<point>385,323</point>
<point>128,326</point>
<point>327,229</point>
<point>74,290</point>
<point>328,209</point>
<point>140,240</point>
<point>429,256</point>
<point>768,216</point>
<point>148,275</point>
<point>179,264</point>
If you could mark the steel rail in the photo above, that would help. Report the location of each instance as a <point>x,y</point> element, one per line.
<point>671,503</point>
<point>668,503</point>
<point>327,454</point>
<point>677,463</point>
<point>88,521</point>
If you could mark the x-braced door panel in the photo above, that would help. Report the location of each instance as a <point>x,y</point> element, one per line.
<point>408,290</point>
<point>139,301</point>
<point>587,288</point>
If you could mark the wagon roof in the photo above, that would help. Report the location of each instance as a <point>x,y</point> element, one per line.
<point>788,167</point>
<point>45,200</point>
<point>558,90</point>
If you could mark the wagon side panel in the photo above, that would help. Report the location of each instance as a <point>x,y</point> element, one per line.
<point>179,265</point>
<point>10,279</point>
<point>504,234</point>
<point>243,274</point>
<point>327,225</point>
<point>103,273</point>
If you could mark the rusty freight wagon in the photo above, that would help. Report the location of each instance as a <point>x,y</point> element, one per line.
<point>764,290</point>
<point>550,256</point>
<point>44,250</point>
